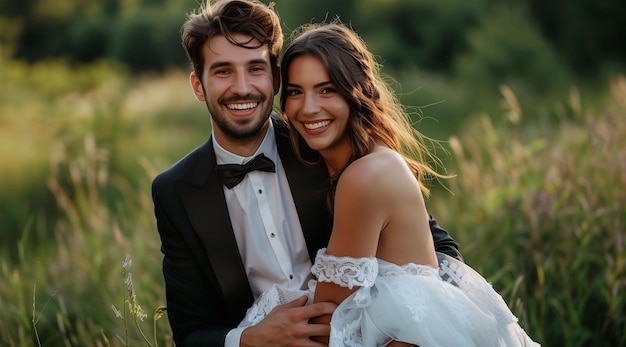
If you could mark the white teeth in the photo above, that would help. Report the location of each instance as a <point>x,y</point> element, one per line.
<point>241,107</point>
<point>316,125</point>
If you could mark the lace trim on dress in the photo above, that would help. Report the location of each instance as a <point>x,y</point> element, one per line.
<point>407,269</point>
<point>268,300</point>
<point>345,271</point>
<point>349,335</point>
<point>261,308</point>
<point>477,287</point>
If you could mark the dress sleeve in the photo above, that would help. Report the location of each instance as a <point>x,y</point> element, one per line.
<point>345,271</point>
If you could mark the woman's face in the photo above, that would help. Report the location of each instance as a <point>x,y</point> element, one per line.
<point>315,108</point>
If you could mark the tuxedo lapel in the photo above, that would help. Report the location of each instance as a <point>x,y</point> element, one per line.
<point>207,211</point>
<point>203,198</point>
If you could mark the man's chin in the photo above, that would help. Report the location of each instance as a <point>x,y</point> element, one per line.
<point>247,130</point>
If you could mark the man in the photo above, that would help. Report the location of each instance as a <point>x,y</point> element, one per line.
<point>226,237</point>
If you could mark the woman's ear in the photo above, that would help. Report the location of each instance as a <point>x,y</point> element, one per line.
<point>196,86</point>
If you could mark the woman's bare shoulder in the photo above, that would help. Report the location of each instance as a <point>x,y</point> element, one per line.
<point>382,176</point>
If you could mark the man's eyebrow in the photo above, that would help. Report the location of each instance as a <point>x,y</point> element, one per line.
<point>258,61</point>
<point>218,64</point>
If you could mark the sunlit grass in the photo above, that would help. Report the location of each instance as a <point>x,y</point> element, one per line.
<point>538,205</point>
<point>68,147</point>
<point>540,208</point>
<point>75,274</point>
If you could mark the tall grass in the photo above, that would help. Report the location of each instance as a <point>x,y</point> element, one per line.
<point>76,275</point>
<point>154,117</point>
<point>540,208</point>
<point>88,205</point>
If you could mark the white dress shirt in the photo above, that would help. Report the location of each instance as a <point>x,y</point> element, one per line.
<point>266,226</point>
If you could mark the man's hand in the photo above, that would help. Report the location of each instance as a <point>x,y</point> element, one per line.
<point>288,325</point>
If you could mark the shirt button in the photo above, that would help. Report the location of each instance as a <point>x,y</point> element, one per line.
<point>273,235</point>
<point>260,191</point>
<point>290,277</point>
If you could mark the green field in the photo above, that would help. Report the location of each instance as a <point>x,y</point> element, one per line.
<point>538,203</point>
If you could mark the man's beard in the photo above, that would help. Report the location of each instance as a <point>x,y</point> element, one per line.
<point>250,131</point>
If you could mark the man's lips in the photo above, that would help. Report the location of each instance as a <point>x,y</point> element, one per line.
<point>242,106</point>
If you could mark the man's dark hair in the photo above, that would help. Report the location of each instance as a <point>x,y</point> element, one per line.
<point>227,18</point>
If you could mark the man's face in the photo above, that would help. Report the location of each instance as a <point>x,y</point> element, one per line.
<point>239,88</point>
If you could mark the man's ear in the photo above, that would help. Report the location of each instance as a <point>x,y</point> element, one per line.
<point>196,86</point>
<point>276,80</point>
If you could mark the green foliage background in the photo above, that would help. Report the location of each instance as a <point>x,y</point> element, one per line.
<point>529,104</point>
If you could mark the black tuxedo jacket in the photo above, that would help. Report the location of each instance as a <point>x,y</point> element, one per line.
<point>207,290</point>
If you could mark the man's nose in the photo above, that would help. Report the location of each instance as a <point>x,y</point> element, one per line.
<point>241,84</point>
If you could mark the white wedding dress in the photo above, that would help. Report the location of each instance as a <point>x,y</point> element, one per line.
<point>449,306</point>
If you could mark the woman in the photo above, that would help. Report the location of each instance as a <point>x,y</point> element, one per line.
<point>380,265</point>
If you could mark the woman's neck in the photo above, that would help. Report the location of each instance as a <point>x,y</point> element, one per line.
<point>335,162</point>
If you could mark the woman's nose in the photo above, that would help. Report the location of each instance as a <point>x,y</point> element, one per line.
<point>311,106</point>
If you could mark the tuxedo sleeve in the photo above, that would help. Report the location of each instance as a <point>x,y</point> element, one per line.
<point>195,312</point>
<point>444,243</point>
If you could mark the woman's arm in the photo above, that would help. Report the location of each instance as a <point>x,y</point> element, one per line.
<point>358,221</point>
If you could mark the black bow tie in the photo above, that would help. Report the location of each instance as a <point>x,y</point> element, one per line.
<point>232,174</point>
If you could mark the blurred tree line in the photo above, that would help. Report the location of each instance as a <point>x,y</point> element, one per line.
<point>480,41</point>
